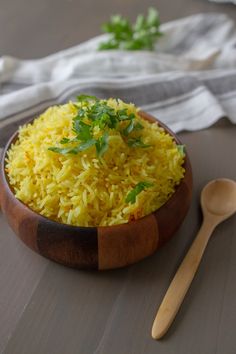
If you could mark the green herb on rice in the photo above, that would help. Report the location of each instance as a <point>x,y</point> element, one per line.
<point>137,142</point>
<point>132,195</point>
<point>181,149</point>
<point>93,112</point>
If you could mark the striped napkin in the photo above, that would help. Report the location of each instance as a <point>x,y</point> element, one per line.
<point>188,82</point>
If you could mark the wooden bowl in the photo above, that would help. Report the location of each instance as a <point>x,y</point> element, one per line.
<point>103,247</point>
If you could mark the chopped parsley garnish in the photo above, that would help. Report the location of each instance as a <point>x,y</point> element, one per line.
<point>102,144</point>
<point>82,130</point>
<point>138,126</point>
<point>84,97</point>
<point>74,150</point>
<point>94,113</point>
<point>181,149</point>
<point>129,128</point>
<point>137,142</point>
<point>131,196</point>
<point>64,141</point>
<point>140,36</point>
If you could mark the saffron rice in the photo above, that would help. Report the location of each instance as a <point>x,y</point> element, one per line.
<point>83,190</point>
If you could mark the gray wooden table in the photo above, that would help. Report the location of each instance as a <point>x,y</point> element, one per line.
<point>46,308</point>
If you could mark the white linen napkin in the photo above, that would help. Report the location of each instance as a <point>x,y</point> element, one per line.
<point>188,82</point>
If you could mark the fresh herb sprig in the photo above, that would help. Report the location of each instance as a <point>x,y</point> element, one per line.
<point>137,142</point>
<point>132,195</point>
<point>141,35</point>
<point>92,113</point>
<point>181,149</point>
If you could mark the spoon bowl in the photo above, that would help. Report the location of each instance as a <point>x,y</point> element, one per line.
<point>218,198</point>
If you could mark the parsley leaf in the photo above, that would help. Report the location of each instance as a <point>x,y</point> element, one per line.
<point>102,145</point>
<point>62,151</point>
<point>80,114</point>
<point>137,142</point>
<point>131,196</point>
<point>91,113</point>
<point>181,149</point>
<point>74,150</point>
<point>85,145</point>
<point>138,126</point>
<point>102,115</point>
<point>84,97</point>
<point>123,115</point>
<point>64,141</point>
<point>123,35</point>
<point>82,130</point>
<point>129,128</point>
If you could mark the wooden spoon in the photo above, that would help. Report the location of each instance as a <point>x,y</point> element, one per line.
<point>218,202</point>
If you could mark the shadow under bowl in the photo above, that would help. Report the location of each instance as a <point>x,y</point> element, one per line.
<point>103,247</point>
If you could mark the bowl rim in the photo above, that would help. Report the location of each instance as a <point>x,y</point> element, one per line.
<point>186,165</point>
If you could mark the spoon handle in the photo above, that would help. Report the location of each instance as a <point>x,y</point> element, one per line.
<point>181,282</point>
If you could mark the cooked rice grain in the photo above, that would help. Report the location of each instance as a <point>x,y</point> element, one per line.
<point>80,189</point>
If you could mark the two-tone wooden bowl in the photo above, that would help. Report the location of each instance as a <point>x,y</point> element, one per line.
<point>97,247</point>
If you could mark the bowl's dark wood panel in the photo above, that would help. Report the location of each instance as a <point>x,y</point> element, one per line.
<point>102,247</point>
<point>72,246</point>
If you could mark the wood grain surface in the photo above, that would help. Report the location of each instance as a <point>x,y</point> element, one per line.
<point>46,308</point>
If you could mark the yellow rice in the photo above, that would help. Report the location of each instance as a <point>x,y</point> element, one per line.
<point>83,190</point>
